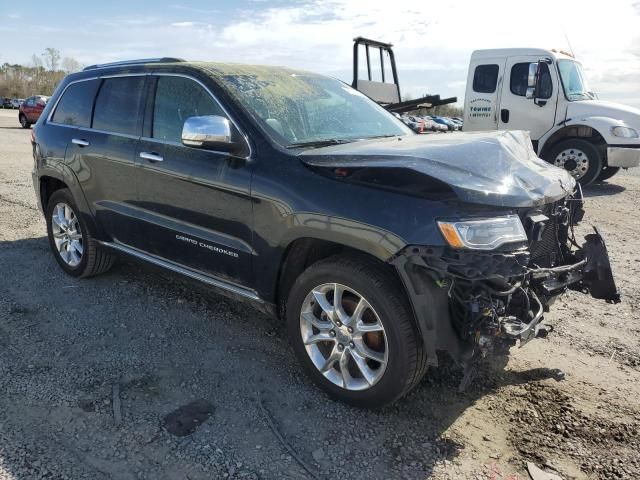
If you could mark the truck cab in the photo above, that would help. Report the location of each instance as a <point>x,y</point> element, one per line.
<point>545,92</point>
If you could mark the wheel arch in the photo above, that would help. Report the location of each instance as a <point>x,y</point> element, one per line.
<point>578,130</point>
<point>52,179</point>
<point>303,252</point>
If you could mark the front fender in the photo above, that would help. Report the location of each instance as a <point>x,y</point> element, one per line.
<point>360,236</point>
<point>603,126</point>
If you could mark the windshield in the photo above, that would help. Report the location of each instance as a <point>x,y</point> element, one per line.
<point>574,81</point>
<point>297,108</point>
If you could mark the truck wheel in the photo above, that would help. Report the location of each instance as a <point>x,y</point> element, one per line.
<point>351,327</point>
<point>73,247</point>
<point>607,173</point>
<point>579,157</point>
<point>23,122</point>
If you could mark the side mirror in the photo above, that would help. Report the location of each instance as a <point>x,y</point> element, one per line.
<point>532,80</point>
<point>211,131</point>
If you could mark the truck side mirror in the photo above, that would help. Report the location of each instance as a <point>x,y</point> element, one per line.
<point>532,80</point>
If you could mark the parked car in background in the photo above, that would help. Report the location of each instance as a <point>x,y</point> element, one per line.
<point>31,109</point>
<point>446,122</point>
<point>6,103</point>
<point>16,102</point>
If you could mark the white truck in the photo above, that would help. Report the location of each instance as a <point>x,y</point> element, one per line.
<point>545,93</point>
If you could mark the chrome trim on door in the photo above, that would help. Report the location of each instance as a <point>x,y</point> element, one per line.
<point>152,157</point>
<point>174,267</point>
<point>80,142</point>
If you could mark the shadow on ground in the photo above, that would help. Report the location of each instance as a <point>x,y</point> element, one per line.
<point>161,343</point>
<point>602,189</point>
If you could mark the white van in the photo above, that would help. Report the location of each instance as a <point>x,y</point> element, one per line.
<point>545,93</point>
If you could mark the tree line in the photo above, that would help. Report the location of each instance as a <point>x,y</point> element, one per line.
<point>39,77</point>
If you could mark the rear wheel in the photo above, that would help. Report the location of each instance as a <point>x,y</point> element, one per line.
<point>351,327</point>
<point>579,157</point>
<point>24,123</point>
<point>73,247</point>
<point>607,173</point>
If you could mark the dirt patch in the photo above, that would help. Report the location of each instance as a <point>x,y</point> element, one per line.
<point>547,422</point>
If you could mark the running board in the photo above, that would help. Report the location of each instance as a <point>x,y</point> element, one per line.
<point>187,272</point>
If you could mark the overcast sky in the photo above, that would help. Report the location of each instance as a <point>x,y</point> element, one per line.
<point>433,40</point>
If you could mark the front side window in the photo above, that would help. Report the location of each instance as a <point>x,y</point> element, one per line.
<point>176,99</point>
<point>118,106</point>
<point>520,80</point>
<point>485,78</point>
<point>300,107</point>
<point>573,81</point>
<point>74,108</point>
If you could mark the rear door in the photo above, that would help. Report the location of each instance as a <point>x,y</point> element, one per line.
<point>196,202</point>
<point>520,113</point>
<point>103,155</point>
<point>483,94</point>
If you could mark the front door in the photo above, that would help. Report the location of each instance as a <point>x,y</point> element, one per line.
<point>195,203</point>
<point>517,112</point>
<point>483,94</point>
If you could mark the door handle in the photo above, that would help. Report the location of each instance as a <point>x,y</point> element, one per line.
<point>152,157</point>
<point>80,142</point>
<point>504,115</point>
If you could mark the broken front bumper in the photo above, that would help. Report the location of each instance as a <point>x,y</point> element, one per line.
<point>468,301</point>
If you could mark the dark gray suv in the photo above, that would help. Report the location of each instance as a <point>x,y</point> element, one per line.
<point>378,247</point>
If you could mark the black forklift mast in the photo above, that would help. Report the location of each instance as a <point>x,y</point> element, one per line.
<point>383,92</point>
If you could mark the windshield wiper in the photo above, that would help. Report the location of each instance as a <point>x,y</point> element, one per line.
<point>319,143</point>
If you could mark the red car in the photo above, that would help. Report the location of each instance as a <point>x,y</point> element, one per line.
<point>31,109</point>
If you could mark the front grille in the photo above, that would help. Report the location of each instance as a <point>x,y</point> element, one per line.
<point>545,252</point>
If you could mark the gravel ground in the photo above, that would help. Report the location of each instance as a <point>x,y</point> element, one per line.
<point>138,374</point>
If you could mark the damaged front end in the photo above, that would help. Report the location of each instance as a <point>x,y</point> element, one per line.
<point>472,302</point>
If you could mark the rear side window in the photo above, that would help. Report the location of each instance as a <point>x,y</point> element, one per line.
<point>519,80</point>
<point>76,104</point>
<point>178,98</point>
<point>485,78</point>
<point>119,105</point>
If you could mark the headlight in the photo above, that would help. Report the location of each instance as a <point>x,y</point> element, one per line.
<point>624,132</point>
<point>484,234</point>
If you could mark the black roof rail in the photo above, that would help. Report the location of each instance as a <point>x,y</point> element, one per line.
<point>140,61</point>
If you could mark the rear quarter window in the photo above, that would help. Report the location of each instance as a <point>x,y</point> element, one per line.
<point>76,104</point>
<point>485,78</point>
<point>119,105</point>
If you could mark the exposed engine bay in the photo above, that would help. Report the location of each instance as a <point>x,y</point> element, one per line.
<point>496,299</point>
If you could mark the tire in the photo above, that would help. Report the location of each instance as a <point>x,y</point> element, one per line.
<point>607,173</point>
<point>577,151</point>
<point>24,123</point>
<point>92,260</point>
<point>405,360</point>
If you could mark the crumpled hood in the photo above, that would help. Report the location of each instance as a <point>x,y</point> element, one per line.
<point>488,168</point>
<point>598,108</point>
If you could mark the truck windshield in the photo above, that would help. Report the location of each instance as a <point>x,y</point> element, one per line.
<point>307,110</point>
<point>574,81</point>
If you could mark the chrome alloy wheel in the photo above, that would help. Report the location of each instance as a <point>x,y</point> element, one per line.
<point>67,234</point>
<point>574,160</point>
<point>343,336</point>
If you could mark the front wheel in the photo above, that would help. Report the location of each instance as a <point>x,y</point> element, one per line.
<point>351,327</point>
<point>579,157</point>
<point>24,123</point>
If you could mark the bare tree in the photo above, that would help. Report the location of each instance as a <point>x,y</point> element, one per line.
<point>51,58</point>
<point>70,65</point>
<point>36,61</point>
